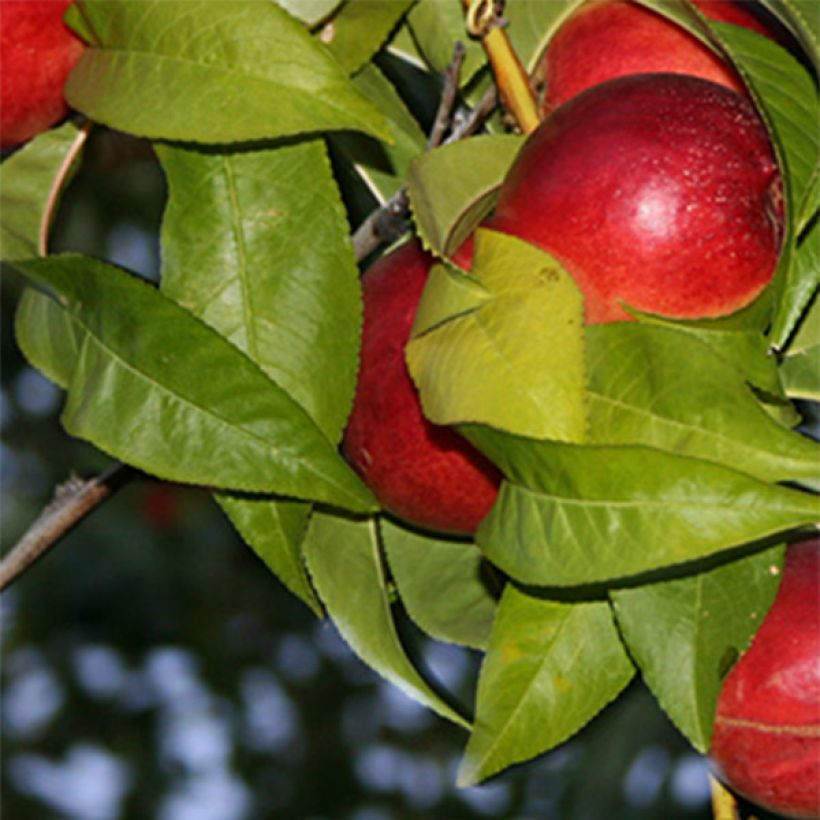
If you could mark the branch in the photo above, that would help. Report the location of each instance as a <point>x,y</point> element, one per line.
<point>73,500</point>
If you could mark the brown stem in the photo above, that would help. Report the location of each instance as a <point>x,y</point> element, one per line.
<point>73,500</point>
<point>724,805</point>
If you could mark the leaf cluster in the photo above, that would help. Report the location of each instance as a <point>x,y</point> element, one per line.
<point>652,469</point>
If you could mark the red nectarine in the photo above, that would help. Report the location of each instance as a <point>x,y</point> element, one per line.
<point>604,39</point>
<point>766,742</point>
<point>659,191</point>
<point>37,52</point>
<point>424,473</point>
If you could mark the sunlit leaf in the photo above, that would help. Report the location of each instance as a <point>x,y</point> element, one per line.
<point>515,362</point>
<point>573,515</point>
<point>663,388</point>
<point>345,563</point>
<point>686,633</point>
<point>210,71</point>
<point>549,669</point>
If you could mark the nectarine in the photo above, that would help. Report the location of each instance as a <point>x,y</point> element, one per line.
<point>766,742</point>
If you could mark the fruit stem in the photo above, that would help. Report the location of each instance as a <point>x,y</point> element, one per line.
<point>724,805</point>
<point>483,20</point>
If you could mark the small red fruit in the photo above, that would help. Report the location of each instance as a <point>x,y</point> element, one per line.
<point>424,473</point>
<point>605,39</point>
<point>37,52</point>
<point>659,191</point>
<point>766,742</point>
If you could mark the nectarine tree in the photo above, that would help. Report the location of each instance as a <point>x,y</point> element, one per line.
<point>577,361</point>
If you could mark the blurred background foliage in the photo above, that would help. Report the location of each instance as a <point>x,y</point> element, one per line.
<point>153,667</point>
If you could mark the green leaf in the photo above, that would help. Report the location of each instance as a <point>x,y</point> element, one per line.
<point>360,28</point>
<point>210,71</point>
<point>801,366</point>
<point>28,179</point>
<point>344,560</point>
<point>685,634</point>
<point>49,336</point>
<point>803,284</point>
<point>663,388</point>
<point>474,169</point>
<point>574,515</point>
<point>255,243</point>
<point>155,387</point>
<point>550,668</point>
<point>274,530</point>
<point>447,588</point>
<point>788,96</point>
<point>310,12</point>
<point>801,17</point>
<point>436,28</point>
<point>515,362</point>
<point>382,167</point>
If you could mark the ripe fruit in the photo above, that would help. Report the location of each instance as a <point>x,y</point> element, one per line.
<point>421,472</point>
<point>37,52</point>
<point>656,190</point>
<point>605,39</point>
<point>766,742</point>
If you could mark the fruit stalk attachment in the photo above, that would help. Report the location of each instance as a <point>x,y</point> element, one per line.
<point>484,20</point>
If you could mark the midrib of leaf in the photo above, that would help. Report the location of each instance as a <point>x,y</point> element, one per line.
<point>700,431</point>
<point>508,724</point>
<point>266,443</point>
<point>251,337</point>
<point>606,503</point>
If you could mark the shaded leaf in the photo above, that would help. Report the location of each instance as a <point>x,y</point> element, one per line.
<point>573,515</point>
<point>210,71</point>
<point>801,366</point>
<point>549,669</point>
<point>274,530</point>
<point>474,169</point>
<point>158,389</point>
<point>382,167</point>
<point>685,634</point>
<point>445,585</point>
<point>515,362</point>
<point>345,563</point>
<point>27,190</point>
<point>282,282</point>
<point>360,28</point>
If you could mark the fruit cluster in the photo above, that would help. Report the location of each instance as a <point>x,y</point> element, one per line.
<point>652,181</point>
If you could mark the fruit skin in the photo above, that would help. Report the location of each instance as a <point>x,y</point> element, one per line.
<point>605,39</point>
<point>766,741</point>
<point>37,52</point>
<point>657,190</point>
<point>424,473</point>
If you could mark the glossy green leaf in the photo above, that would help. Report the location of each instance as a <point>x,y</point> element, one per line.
<point>474,169</point>
<point>345,563</point>
<point>210,71</point>
<point>573,515</point>
<point>801,17</point>
<point>805,281</point>
<point>157,388</point>
<point>274,530</point>
<point>515,362</point>
<point>360,28</point>
<point>27,188</point>
<point>663,388</point>
<point>383,168</point>
<point>281,283</point>
<point>685,634</point>
<point>445,585</point>
<point>549,669</point>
